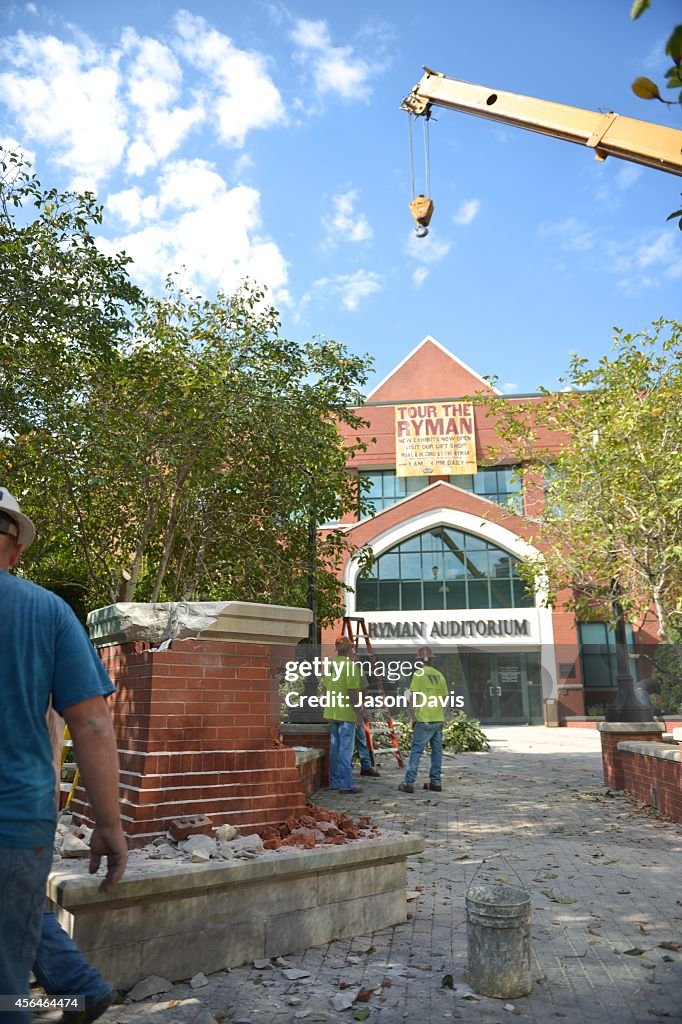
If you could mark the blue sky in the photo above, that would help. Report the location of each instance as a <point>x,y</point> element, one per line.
<point>266,139</point>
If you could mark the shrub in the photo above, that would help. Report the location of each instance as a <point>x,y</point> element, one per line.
<point>463,734</point>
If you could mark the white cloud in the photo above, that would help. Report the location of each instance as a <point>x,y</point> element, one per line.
<point>645,261</point>
<point>154,82</point>
<point>573,236</point>
<point>66,96</point>
<point>244,96</point>
<point>195,221</point>
<point>311,35</point>
<point>345,223</point>
<point>335,69</point>
<point>509,388</point>
<point>131,207</point>
<point>419,276</point>
<point>430,249</point>
<point>466,211</point>
<point>351,289</point>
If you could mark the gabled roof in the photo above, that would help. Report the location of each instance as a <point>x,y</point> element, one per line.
<point>427,373</point>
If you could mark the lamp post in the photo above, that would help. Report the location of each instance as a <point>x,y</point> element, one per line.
<point>310,683</point>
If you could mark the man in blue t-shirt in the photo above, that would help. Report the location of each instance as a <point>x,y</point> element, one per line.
<point>44,654</point>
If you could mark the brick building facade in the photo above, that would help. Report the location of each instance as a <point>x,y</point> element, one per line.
<point>446,573</point>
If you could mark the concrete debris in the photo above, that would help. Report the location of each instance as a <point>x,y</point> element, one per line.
<point>262,965</point>
<point>252,843</point>
<point>344,1000</point>
<point>224,833</point>
<point>294,974</point>
<point>199,842</point>
<point>150,986</point>
<point>72,846</point>
<point>198,981</point>
<point>200,857</point>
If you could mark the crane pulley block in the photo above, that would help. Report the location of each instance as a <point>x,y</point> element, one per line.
<point>422,209</point>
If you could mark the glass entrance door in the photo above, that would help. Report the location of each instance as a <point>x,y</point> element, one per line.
<point>500,689</point>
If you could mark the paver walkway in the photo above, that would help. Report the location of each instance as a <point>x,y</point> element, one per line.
<point>604,876</point>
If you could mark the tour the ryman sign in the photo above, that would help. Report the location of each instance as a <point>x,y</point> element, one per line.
<point>435,439</point>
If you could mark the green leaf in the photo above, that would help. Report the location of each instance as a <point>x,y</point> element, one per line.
<point>635,951</point>
<point>645,89</point>
<point>448,981</point>
<point>638,7</point>
<point>674,45</point>
<point>361,1014</point>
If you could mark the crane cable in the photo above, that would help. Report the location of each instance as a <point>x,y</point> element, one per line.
<point>421,229</point>
<point>427,154</point>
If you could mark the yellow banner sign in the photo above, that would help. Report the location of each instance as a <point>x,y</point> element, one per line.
<point>435,439</point>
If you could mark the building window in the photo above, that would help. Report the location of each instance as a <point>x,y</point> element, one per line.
<point>386,488</point>
<point>598,654</point>
<point>440,569</point>
<point>500,484</point>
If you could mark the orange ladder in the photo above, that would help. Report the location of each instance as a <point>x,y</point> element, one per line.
<point>355,637</point>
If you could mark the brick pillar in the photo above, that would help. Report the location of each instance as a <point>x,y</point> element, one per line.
<point>611,735</point>
<point>196,719</point>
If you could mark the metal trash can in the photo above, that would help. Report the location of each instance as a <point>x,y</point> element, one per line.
<point>551,712</point>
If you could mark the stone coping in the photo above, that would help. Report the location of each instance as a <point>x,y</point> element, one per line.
<point>69,888</point>
<point>677,735</point>
<point>308,755</point>
<point>245,621</point>
<point>625,727</point>
<point>663,751</point>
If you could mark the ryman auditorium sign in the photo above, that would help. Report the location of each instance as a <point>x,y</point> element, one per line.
<point>513,629</point>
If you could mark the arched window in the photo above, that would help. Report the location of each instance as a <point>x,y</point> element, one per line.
<point>443,568</point>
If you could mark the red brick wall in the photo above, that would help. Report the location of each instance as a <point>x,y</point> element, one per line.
<point>196,727</point>
<point>612,759</point>
<point>654,781</point>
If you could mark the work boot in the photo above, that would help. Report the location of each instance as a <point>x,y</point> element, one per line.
<point>405,787</point>
<point>433,787</point>
<point>91,1013</point>
<point>355,789</point>
<point>373,773</point>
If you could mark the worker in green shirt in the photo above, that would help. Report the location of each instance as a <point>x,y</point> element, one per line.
<point>343,683</point>
<point>430,696</point>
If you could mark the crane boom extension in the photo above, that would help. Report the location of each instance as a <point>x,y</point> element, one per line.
<point>609,134</point>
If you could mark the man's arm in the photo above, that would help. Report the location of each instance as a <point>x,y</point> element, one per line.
<point>95,751</point>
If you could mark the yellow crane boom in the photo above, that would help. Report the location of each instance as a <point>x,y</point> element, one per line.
<point>608,134</point>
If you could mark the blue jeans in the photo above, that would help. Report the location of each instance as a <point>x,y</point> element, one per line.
<point>340,754</point>
<point>61,968</point>
<point>423,733</point>
<point>362,748</point>
<point>23,876</point>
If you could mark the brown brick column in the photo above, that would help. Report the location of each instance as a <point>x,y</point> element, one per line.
<point>197,726</point>
<point>611,735</point>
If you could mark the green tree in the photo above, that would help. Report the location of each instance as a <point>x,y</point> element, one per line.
<point>63,303</point>
<point>610,448</point>
<point>191,461</point>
